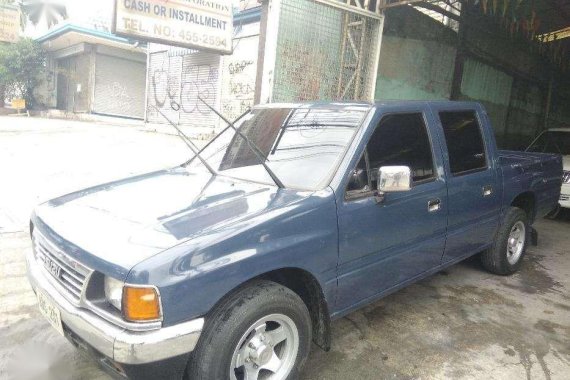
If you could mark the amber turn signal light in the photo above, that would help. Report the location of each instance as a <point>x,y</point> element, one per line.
<point>141,304</point>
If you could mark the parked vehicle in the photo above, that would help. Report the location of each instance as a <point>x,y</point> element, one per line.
<point>231,264</point>
<point>556,141</point>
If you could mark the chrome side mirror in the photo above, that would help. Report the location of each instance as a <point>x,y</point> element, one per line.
<point>393,179</point>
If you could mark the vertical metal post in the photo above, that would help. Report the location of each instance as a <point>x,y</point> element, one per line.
<point>343,54</point>
<point>455,92</point>
<point>261,50</point>
<point>147,83</point>
<point>548,101</point>
<point>270,52</point>
<point>376,64</point>
<point>360,58</point>
<point>93,80</point>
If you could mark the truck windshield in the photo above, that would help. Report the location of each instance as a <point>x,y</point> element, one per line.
<point>302,146</point>
<point>557,142</point>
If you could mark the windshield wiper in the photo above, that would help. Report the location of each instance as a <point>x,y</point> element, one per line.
<point>256,151</point>
<point>187,141</point>
<point>217,135</point>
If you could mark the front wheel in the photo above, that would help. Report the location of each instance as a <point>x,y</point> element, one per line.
<point>506,254</point>
<point>263,331</point>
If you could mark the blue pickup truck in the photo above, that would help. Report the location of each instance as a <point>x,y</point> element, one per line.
<point>228,266</point>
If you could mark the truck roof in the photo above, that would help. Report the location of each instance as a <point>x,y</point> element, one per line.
<point>378,104</point>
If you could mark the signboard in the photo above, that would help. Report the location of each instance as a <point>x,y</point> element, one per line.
<point>194,24</point>
<point>19,104</point>
<point>9,24</point>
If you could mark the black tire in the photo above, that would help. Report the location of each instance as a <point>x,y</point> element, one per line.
<point>495,259</point>
<point>229,321</point>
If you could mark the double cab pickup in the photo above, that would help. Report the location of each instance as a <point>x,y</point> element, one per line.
<point>230,265</point>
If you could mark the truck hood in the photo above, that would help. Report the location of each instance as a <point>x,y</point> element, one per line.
<point>113,227</point>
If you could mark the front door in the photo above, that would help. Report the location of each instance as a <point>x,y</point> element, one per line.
<point>384,245</point>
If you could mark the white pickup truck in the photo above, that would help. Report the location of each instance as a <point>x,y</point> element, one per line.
<point>556,141</point>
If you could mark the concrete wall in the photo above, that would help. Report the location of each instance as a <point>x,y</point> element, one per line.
<point>491,87</point>
<point>516,80</point>
<point>415,62</point>
<point>418,59</point>
<point>526,114</point>
<point>403,67</point>
<point>238,72</point>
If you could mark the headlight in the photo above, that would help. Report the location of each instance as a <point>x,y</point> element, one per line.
<point>114,292</point>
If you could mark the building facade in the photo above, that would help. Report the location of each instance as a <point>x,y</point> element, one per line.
<point>177,78</point>
<point>93,71</point>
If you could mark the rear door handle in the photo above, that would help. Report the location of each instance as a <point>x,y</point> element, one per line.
<point>434,205</point>
<point>487,191</point>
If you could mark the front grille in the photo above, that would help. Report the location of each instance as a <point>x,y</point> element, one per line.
<point>566,177</point>
<point>67,273</point>
<point>564,197</point>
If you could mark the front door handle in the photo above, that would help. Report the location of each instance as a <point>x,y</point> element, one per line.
<point>487,191</point>
<point>434,205</point>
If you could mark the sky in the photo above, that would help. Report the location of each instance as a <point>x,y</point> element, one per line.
<point>97,13</point>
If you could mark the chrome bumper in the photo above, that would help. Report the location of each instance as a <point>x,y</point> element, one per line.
<point>565,196</point>
<point>118,344</point>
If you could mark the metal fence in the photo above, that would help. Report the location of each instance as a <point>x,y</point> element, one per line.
<point>325,53</point>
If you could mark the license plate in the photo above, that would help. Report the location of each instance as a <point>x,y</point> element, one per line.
<point>50,311</point>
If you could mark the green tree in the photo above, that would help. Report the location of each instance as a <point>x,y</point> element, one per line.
<point>22,66</point>
<point>51,11</point>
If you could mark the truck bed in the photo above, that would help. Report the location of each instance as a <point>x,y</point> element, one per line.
<point>536,172</point>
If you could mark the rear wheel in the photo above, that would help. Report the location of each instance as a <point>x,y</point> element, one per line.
<point>509,248</point>
<point>263,331</point>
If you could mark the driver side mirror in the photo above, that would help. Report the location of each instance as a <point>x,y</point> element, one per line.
<point>393,179</point>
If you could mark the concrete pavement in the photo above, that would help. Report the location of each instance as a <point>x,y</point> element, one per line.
<point>463,323</point>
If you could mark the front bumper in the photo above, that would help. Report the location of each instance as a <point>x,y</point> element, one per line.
<point>116,343</point>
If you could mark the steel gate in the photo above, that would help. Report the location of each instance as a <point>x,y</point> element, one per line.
<point>324,50</point>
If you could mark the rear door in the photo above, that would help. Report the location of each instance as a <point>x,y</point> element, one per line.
<point>474,190</point>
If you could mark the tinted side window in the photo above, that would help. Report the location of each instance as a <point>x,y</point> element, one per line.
<point>464,141</point>
<point>401,140</point>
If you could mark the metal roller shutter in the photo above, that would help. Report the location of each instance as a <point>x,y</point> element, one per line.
<point>200,77</point>
<point>163,87</point>
<point>119,87</point>
<point>176,79</point>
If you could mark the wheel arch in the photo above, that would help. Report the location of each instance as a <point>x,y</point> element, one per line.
<point>527,202</point>
<point>308,288</point>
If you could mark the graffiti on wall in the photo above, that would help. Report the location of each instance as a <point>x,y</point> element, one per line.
<point>239,72</point>
<point>119,95</point>
<point>201,82</point>
<point>178,79</point>
<point>239,87</point>
<point>176,86</point>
